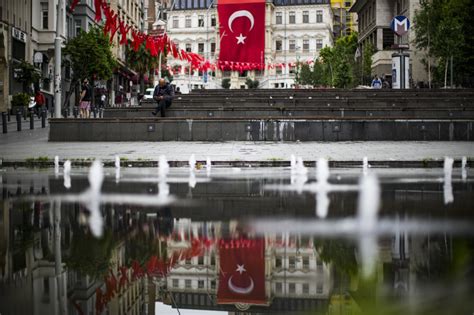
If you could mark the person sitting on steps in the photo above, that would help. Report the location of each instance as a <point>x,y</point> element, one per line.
<point>163,95</point>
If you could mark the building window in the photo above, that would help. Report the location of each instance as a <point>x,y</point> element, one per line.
<point>175,22</point>
<point>319,44</point>
<point>292,262</point>
<point>187,284</point>
<point>306,262</point>
<point>319,16</point>
<point>319,265</point>
<point>213,258</point>
<point>175,283</point>
<point>188,21</point>
<point>44,15</point>
<point>278,285</point>
<point>201,21</point>
<point>305,44</point>
<point>213,48</point>
<point>188,47</point>
<point>213,284</point>
<point>78,26</point>
<point>278,70</point>
<point>292,288</point>
<point>278,262</point>
<point>305,288</point>
<point>200,284</point>
<point>278,47</point>
<point>305,17</point>
<point>213,20</point>
<point>292,17</point>
<point>319,288</point>
<point>201,48</point>
<point>292,45</point>
<point>347,4</point>
<point>201,258</point>
<point>279,19</point>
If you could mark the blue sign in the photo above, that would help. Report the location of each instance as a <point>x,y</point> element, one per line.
<point>400,25</point>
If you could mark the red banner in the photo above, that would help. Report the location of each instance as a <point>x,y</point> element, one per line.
<point>242,30</point>
<point>242,272</point>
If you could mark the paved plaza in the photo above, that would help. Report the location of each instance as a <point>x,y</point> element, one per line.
<point>19,146</point>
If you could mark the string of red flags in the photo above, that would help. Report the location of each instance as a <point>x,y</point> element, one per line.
<point>163,44</point>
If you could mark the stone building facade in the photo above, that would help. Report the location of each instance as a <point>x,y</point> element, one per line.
<point>294,31</point>
<point>15,45</point>
<point>374,19</point>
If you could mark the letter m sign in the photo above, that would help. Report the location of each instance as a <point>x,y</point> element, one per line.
<point>400,25</point>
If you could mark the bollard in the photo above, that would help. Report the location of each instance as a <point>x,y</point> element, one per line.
<point>43,119</point>
<point>4,122</point>
<point>18,120</point>
<point>25,114</point>
<point>32,120</point>
<point>9,116</point>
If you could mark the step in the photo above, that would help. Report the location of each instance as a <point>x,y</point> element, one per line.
<point>268,129</point>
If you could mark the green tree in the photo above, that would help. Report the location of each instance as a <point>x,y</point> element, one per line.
<point>443,29</point>
<point>367,53</point>
<point>27,75</point>
<point>226,83</point>
<point>90,56</point>
<point>141,61</point>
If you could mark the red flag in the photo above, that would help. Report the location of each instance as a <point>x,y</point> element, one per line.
<point>242,277</point>
<point>98,10</point>
<point>73,5</point>
<point>242,30</point>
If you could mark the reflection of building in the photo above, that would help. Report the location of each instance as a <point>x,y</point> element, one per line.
<point>295,277</point>
<point>295,31</point>
<point>15,42</point>
<point>374,19</point>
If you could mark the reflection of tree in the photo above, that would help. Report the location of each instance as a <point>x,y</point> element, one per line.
<point>445,258</point>
<point>340,253</point>
<point>143,245</point>
<point>89,255</point>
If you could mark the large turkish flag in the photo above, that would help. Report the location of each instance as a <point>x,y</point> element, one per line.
<point>242,31</point>
<point>242,272</point>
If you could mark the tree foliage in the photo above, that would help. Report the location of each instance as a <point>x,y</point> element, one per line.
<point>335,66</point>
<point>27,75</point>
<point>90,55</point>
<point>444,30</point>
<point>226,83</point>
<point>142,61</point>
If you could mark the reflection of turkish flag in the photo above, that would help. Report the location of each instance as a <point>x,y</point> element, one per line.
<point>242,30</point>
<point>242,272</point>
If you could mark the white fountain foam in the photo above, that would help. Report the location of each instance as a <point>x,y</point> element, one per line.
<point>448,175</point>
<point>67,174</point>
<point>322,188</point>
<point>56,165</point>
<point>117,168</point>
<point>208,166</point>
<point>96,178</point>
<point>367,213</point>
<point>464,168</point>
<point>163,166</point>
<point>365,165</point>
<point>192,162</point>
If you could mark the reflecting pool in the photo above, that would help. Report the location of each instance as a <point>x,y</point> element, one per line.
<point>202,240</point>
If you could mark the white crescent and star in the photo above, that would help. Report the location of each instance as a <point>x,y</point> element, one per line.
<point>241,290</point>
<point>241,13</point>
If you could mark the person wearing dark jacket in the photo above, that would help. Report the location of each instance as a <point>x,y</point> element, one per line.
<point>163,95</point>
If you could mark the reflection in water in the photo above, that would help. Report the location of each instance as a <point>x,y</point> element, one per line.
<point>221,254</point>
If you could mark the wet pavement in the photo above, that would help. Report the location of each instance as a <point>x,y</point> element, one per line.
<point>30,144</point>
<point>237,240</point>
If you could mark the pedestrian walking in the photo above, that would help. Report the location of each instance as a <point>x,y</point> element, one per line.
<point>40,102</point>
<point>163,95</point>
<point>85,101</point>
